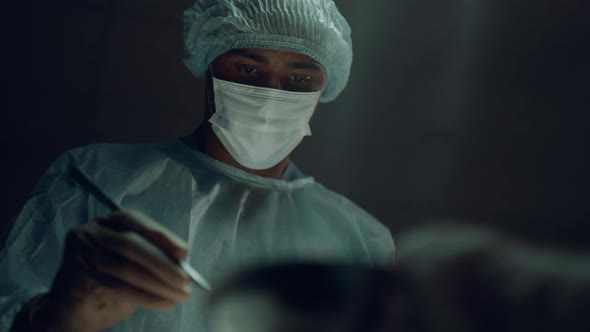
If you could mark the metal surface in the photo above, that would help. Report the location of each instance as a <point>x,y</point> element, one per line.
<point>195,276</point>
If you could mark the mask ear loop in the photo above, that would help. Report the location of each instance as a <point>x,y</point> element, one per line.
<point>208,96</point>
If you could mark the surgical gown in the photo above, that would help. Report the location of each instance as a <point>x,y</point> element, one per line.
<point>230,218</point>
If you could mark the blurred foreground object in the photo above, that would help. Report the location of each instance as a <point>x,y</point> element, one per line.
<point>303,297</point>
<point>449,278</point>
<point>467,278</point>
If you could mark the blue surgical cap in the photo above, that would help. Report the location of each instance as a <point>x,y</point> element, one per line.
<point>311,27</point>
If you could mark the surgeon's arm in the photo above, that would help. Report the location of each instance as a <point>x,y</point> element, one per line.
<point>111,267</point>
<point>34,316</point>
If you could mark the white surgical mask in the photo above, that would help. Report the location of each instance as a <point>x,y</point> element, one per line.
<point>258,126</point>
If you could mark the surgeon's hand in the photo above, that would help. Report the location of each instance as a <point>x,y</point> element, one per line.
<point>111,267</point>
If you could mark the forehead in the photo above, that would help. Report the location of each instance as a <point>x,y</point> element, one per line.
<point>269,56</point>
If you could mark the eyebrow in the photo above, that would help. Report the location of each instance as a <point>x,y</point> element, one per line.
<point>264,60</point>
<point>252,56</point>
<point>304,65</point>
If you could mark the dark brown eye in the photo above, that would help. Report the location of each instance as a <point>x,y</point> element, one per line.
<point>300,79</point>
<point>248,69</point>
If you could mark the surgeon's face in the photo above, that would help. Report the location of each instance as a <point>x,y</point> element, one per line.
<point>270,69</point>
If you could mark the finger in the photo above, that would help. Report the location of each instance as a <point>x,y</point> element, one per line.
<point>118,268</point>
<point>138,297</point>
<point>154,232</point>
<point>136,249</point>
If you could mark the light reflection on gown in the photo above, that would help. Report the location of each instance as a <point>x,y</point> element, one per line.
<point>229,217</point>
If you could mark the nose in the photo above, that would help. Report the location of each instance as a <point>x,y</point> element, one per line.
<point>273,82</point>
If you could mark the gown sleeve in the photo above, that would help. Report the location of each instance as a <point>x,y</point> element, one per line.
<point>33,250</point>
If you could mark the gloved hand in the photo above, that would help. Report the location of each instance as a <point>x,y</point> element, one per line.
<point>112,266</point>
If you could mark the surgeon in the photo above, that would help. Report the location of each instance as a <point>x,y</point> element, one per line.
<point>224,198</point>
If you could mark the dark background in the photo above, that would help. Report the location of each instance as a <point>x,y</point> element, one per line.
<point>472,110</point>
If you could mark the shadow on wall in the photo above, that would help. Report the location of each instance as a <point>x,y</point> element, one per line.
<point>92,71</point>
<point>469,110</point>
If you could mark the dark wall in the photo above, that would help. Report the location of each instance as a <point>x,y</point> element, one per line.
<point>471,110</point>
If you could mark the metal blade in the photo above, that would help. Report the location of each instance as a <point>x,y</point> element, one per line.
<point>195,276</point>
